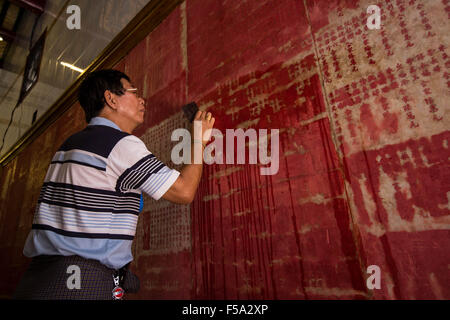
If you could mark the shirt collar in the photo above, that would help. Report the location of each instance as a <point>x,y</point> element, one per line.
<point>100,121</point>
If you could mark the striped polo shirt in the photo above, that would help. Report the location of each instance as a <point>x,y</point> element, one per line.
<point>91,196</point>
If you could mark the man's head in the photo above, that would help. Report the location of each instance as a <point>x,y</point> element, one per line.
<point>110,94</point>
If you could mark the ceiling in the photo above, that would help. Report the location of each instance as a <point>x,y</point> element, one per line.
<point>22,22</point>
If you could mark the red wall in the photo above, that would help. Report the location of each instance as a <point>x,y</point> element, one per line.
<point>363,177</point>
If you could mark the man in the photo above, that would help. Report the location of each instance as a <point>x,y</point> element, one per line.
<point>87,212</point>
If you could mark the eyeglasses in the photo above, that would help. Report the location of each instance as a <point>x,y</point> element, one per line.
<point>134,90</point>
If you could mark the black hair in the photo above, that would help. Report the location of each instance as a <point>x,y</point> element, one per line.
<point>92,90</point>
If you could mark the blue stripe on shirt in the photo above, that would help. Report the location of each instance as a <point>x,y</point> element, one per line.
<point>80,158</point>
<point>49,242</point>
<point>130,225</point>
<point>50,212</point>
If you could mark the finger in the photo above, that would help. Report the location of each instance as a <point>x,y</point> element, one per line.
<point>212,122</point>
<point>208,116</point>
<point>198,115</point>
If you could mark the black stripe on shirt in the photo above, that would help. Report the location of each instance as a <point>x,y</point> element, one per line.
<point>89,204</point>
<point>98,192</point>
<point>83,196</point>
<point>136,175</point>
<point>82,234</point>
<point>80,163</point>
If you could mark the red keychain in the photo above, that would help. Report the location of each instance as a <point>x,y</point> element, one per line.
<point>117,292</point>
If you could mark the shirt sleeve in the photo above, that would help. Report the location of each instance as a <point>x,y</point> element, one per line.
<point>136,168</point>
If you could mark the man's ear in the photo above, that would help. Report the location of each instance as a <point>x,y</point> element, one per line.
<point>110,99</point>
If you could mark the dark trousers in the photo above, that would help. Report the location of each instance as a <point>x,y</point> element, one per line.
<point>47,278</point>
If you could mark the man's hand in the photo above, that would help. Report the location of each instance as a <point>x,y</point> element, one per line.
<point>202,126</point>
